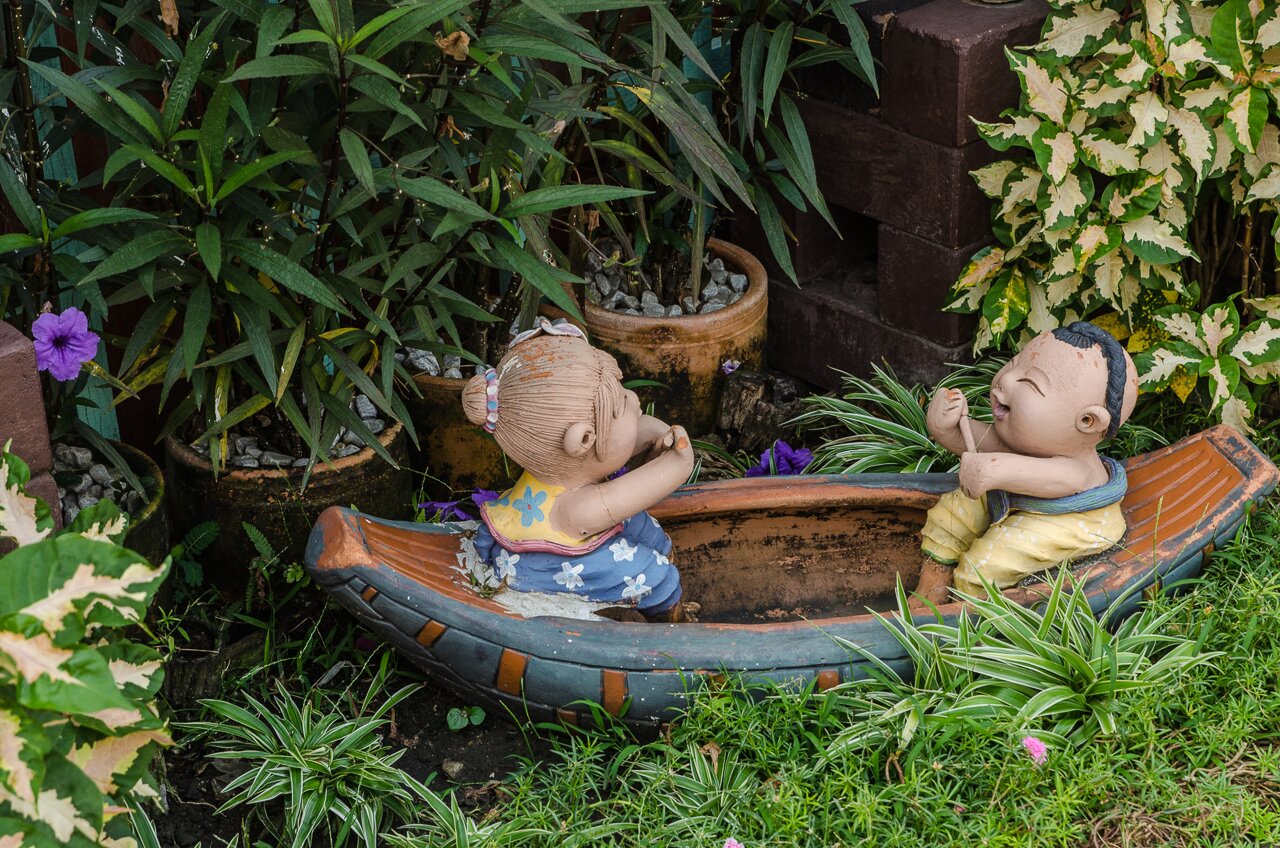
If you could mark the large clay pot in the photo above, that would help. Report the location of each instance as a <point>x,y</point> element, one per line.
<point>149,528</point>
<point>453,451</point>
<point>273,501</point>
<point>685,353</point>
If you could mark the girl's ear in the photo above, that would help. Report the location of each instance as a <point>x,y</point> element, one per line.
<point>579,439</point>
<point>1093,420</point>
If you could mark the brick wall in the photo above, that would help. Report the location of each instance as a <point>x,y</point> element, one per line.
<point>22,414</point>
<point>896,176</point>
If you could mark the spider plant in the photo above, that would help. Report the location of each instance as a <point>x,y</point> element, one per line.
<point>884,422</point>
<point>1056,670</point>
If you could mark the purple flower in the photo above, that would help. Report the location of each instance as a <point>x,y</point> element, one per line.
<point>729,366</point>
<point>480,497</point>
<point>446,510</point>
<point>63,343</point>
<point>1036,749</point>
<point>615,475</point>
<point>782,459</point>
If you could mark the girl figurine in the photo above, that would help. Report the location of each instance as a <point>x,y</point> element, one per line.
<point>557,407</point>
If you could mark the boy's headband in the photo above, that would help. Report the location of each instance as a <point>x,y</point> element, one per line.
<point>560,327</point>
<point>1084,335</point>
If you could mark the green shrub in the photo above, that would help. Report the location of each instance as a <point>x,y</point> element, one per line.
<point>78,723</point>
<point>1146,192</point>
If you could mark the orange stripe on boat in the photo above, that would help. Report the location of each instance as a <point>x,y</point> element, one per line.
<point>369,594</point>
<point>613,690</point>
<point>511,671</point>
<point>430,632</point>
<point>567,716</point>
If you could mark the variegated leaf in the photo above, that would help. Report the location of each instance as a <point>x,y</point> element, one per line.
<point>1161,159</point>
<point>1237,411</point>
<point>1183,326</point>
<point>1259,346</point>
<point>1266,188</point>
<point>1209,95</point>
<point>1023,186</point>
<point>106,759</point>
<point>1267,307</point>
<point>1039,318</point>
<point>1224,152</point>
<point>1055,150</point>
<point>1246,115</point>
<point>1045,93</point>
<point>1149,118</point>
<point>1183,383</point>
<point>86,588</point>
<point>34,657</point>
<point>1223,374</point>
<point>1268,34</point>
<point>1186,55</point>
<point>1103,99</point>
<point>59,812</point>
<point>991,178</point>
<point>20,520</point>
<point>1107,155</point>
<point>1133,69</point>
<point>1113,323</point>
<point>1017,131</point>
<point>1131,197</point>
<point>1079,30</point>
<point>1156,367</point>
<point>1061,289</point>
<point>1267,152</point>
<point>1217,326</point>
<point>1006,304</point>
<point>16,757</point>
<point>985,264</point>
<point>1196,140</point>
<point>1108,275</point>
<point>1062,204</point>
<point>1094,241</point>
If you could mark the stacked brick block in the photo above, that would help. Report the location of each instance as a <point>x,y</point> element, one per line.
<point>896,174</point>
<point>22,413</point>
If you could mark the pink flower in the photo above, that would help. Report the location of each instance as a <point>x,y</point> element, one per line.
<point>63,343</point>
<point>1036,749</point>
<point>732,843</point>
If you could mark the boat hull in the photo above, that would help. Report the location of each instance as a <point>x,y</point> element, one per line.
<point>768,551</point>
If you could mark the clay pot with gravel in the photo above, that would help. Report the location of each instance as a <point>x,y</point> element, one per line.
<point>686,347</point>
<point>271,497</point>
<point>455,455</point>
<point>85,477</point>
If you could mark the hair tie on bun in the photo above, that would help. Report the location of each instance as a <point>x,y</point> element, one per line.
<point>491,399</point>
<point>560,327</point>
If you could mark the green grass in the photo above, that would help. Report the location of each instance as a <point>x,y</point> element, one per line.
<point>1194,763</point>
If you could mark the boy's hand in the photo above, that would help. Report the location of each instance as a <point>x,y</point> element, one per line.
<point>973,477</point>
<point>946,409</point>
<point>677,443</point>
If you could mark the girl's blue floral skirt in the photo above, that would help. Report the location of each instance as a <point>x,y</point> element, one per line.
<point>631,569</point>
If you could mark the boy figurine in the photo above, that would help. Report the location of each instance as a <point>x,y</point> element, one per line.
<point>1033,490</point>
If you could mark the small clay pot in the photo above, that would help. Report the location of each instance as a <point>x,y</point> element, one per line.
<point>273,501</point>
<point>149,528</point>
<point>452,450</point>
<point>685,353</point>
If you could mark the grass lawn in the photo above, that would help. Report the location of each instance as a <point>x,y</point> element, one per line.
<point>1194,764</point>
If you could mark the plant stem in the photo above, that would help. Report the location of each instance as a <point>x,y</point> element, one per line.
<point>335,146</point>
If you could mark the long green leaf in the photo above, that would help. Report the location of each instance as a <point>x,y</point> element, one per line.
<point>286,272</point>
<point>146,248</point>
<point>775,65</point>
<point>559,197</point>
<point>278,66</point>
<point>98,218</point>
<point>184,81</point>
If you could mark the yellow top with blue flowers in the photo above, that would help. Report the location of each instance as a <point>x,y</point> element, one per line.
<point>520,520</point>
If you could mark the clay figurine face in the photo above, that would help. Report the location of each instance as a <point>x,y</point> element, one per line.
<point>601,460</point>
<point>1049,400</point>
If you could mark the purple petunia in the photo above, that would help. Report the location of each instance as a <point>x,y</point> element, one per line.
<point>782,459</point>
<point>615,475</point>
<point>729,366</point>
<point>480,497</point>
<point>447,510</point>
<point>63,343</point>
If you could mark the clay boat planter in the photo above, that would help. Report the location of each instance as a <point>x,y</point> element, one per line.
<point>781,566</point>
<point>273,500</point>
<point>451,448</point>
<point>685,353</point>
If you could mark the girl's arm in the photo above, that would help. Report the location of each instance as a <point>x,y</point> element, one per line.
<point>598,507</point>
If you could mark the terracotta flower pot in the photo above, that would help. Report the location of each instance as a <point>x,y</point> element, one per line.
<point>149,528</point>
<point>452,449</point>
<point>273,501</point>
<point>685,353</point>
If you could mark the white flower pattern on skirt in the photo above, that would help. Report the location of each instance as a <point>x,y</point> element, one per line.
<point>570,575</point>
<point>506,563</point>
<point>635,587</point>
<point>623,550</point>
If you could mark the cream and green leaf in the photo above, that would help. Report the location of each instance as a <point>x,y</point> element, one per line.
<point>78,720</point>
<point>1132,116</point>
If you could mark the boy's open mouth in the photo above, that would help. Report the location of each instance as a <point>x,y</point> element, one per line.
<point>999,410</point>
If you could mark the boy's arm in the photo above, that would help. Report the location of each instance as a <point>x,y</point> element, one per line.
<point>596,508</point>
<point>942,420</point>
<point>1039,477</point>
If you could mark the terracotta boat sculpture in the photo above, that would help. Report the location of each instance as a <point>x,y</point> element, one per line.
<point>780,565</point>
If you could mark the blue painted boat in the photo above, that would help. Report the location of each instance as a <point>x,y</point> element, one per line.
<point>781,565</point>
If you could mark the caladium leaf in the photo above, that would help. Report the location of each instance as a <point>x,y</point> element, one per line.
<point>1155,240</point>
<point>1078,30</point>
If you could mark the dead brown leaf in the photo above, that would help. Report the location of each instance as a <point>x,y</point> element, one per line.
<point>169,14</point>
<point>455,45</point>
<point>712,750</point>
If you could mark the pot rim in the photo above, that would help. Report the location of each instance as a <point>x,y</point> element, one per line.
<point>755,298</point>
<point>131,455</point>
<point>181,452</point>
